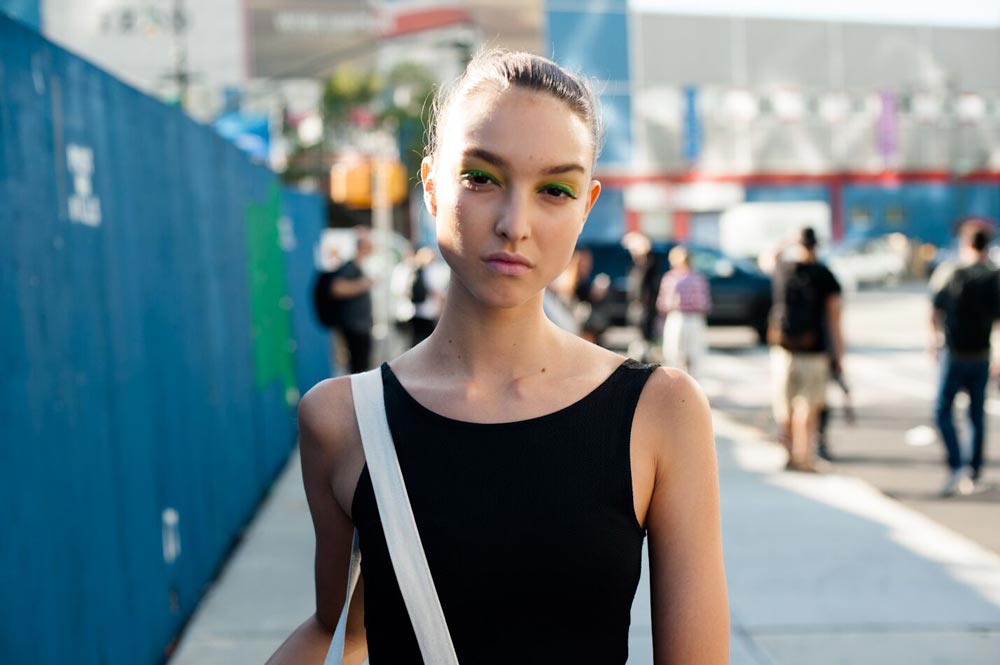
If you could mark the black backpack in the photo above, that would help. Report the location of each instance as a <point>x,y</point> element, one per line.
<point>326,307</point>
<point>418,289</point>
<point>972,304</point>
<point>800,308</point>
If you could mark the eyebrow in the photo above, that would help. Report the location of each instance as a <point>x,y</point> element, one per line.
<point>497,160</point>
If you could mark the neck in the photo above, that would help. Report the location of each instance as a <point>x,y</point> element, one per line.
<point>479,342</point>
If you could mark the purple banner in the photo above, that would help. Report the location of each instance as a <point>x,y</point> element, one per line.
<point>887,129</point>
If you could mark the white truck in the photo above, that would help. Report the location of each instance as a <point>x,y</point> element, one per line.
<point>749,230</point>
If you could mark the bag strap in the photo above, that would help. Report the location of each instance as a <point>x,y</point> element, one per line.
<point>335,655</point>
<point>405,549</point>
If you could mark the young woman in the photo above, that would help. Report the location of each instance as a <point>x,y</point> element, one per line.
<point>536,463</point>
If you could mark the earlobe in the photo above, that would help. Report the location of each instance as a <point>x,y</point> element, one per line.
<point>430,189</point>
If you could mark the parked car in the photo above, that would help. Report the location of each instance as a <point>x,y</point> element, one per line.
<point>741,293</point>
<point>864,261</point>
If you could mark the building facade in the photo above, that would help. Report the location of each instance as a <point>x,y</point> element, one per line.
<point>896,127</point>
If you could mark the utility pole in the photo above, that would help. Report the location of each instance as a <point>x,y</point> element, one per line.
<point>181,75</point>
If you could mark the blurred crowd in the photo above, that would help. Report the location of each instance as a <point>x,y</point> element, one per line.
<point>664,315</point>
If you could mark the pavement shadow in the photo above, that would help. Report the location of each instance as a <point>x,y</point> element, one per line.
<point>886,460</point>
<point>989,493</point>
<point>880,350</point>
<point>824,554</point>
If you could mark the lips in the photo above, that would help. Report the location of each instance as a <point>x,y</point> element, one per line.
<point>505,263</point>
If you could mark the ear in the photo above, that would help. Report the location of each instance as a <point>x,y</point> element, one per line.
<point>592,194</point>
<point>427,177</point>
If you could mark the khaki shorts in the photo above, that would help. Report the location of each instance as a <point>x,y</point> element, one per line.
<point>798,378</point>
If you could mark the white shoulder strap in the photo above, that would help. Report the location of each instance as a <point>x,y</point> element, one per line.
<point>335,655</point>
<point>405,549</point>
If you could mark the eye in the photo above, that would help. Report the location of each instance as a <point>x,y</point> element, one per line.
<point>558,191</point>
<point>477,179</point>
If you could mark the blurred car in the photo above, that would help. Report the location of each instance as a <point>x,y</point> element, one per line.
<point>741,293</point>
<point>864,261</point>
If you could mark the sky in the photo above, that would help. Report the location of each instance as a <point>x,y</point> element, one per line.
<point>968,13</point>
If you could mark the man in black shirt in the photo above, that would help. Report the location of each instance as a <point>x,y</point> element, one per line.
<point>352,289</point>
<point>966,303</point>
<point>804,332</point>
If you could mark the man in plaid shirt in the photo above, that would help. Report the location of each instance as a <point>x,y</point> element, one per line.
<point>685,300</point>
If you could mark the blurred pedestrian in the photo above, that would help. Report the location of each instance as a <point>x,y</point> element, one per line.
<point>684,300</point>
<point>597,315</point>
<point>643,288</point>
<point>351,288</point>
<point>428,287</point>
<point>806,343</point>
<point>965,307</point>
<point>536,464</point>
<point>591,307</point>
<point>326,308</point>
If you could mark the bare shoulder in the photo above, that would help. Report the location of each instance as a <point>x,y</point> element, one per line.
<point>673,418</point>
<point>326,411</point>
<point>329,439</point>
<point>328,429</point>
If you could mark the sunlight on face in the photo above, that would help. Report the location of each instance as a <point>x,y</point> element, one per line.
<point>510,187</point>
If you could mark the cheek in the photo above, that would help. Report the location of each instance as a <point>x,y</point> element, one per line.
<point>459,217</point>
<point>564,225</point>
<point>562,244</point>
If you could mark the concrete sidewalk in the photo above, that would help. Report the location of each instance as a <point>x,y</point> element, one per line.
<point>821,570</point>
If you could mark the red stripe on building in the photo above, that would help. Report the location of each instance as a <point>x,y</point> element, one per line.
<point>405,23</point>
<point>888,178</point>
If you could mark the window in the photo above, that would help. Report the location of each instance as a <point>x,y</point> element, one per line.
<point>895,216</point>
<point>861,217</point>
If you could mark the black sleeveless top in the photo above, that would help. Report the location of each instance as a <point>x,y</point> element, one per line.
<point>529,529</point>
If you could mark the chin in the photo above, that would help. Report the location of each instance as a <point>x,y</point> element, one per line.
<point>505,297</point>
<point>499,293</point>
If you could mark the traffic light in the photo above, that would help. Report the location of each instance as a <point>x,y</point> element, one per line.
<point>353,183</point>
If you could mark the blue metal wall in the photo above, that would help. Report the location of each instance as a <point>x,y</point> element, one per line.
<point>605,224</point>
<point>305,222</point>
<point>28,11</point>
<point>784,193</point>
<point>148,354</point>
<point>924,211</point>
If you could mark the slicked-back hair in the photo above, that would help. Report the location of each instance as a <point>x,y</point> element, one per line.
<point>499,69</point>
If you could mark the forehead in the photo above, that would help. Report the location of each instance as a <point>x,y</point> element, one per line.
<point>524,126</point>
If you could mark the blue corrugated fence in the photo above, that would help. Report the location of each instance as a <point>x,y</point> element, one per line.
<point>155,338</point>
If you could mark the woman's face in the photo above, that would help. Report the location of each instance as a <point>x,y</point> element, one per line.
<point>510,187</point>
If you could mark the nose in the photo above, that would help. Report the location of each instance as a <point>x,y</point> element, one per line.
<point>514,221</point>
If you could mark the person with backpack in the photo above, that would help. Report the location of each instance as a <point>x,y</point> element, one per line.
<point>806,345</point>
<point>342,302</point>
<point>966,304</point>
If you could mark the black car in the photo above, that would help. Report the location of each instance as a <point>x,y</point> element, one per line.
<point>741,293</point>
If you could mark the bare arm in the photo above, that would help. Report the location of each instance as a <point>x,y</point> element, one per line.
<point>833,308</point>
<point>934,332</point>
<point>688,585</point>
<point>349,288</point>
<point>770,260</point>
<point>326,429</point>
